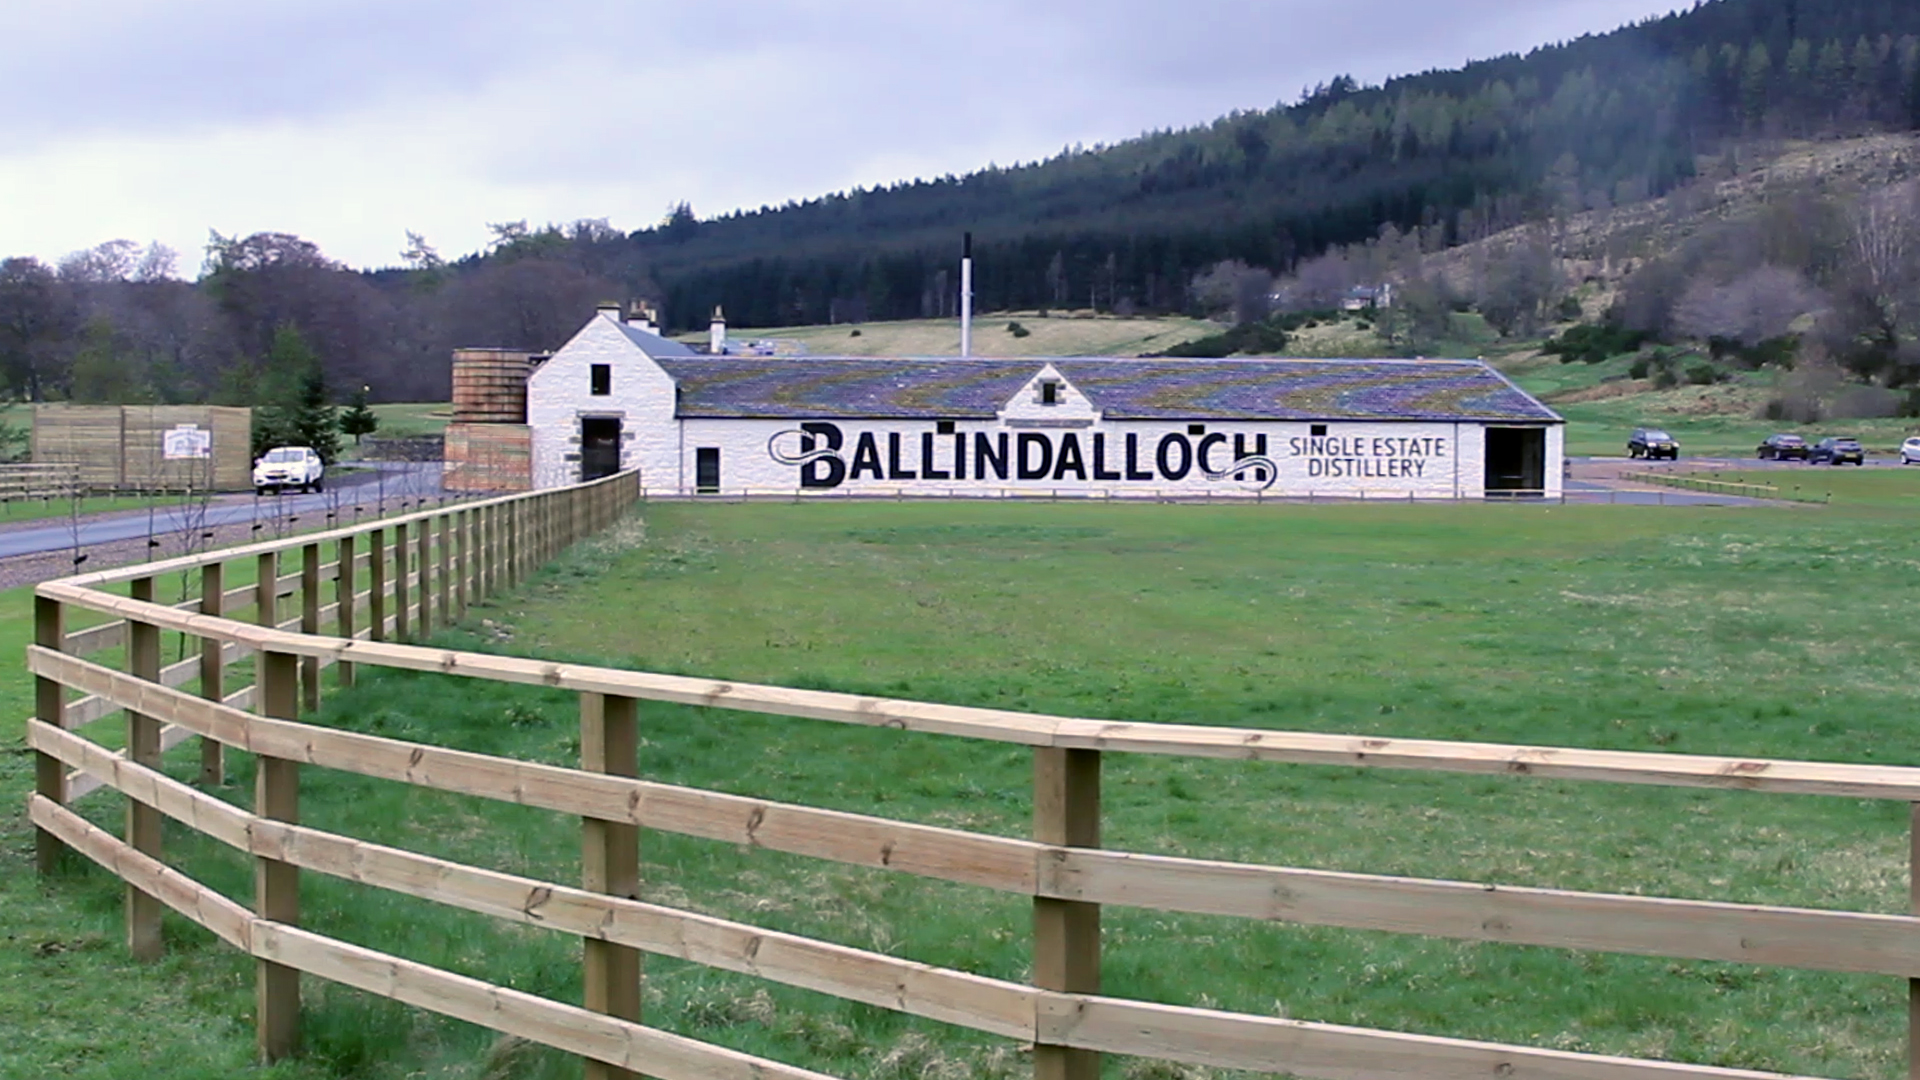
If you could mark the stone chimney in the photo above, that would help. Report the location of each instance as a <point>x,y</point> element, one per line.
<point>642,317</point>
<point>717,333</point>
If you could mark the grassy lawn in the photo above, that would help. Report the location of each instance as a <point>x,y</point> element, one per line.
<point>1783,632</point>
<point>14,510</point>
<point>405,419</point>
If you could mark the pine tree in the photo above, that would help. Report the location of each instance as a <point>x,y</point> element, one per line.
<point>358,420</point>
<point>292,407</point>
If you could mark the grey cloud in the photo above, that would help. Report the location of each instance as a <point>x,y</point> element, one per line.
<point>605,107</point>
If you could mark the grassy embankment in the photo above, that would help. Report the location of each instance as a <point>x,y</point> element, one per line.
<point>1058,334</point>
<point>1603,406</point>
<point>1766,632</point>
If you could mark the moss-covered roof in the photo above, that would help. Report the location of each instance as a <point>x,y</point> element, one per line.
<point>1120,389</point>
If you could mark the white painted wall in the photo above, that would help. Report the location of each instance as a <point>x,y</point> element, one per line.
<point>1351,460</point>
<point>642,398</point>
<point>1371,460</point>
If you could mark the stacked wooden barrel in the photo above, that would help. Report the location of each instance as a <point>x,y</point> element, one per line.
<point>490,386</point>
<point>489,446</point>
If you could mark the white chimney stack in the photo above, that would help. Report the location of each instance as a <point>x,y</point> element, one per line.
<point>966,296</point>
<point>717,333</point>
<point>611,311</point>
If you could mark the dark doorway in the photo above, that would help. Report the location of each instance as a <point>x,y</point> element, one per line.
<point>1516,462</point>
<point>599,447</point>
<point>706,470</point>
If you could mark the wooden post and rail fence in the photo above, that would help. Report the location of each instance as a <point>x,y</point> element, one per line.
<point>422,571</point>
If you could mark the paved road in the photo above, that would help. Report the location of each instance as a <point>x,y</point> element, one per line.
<point>384,488</point>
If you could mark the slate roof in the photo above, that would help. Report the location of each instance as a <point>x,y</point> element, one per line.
<point>653,344</point>
<point>1120,389</point>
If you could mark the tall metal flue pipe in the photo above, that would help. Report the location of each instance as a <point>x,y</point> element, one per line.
<point>966,296</point>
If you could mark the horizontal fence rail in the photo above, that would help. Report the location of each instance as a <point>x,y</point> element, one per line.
<point>347,599</point>
<point>1712,485</point>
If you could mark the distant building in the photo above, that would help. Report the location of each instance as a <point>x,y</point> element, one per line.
<point>618,397</point>
<point>1368,297</point>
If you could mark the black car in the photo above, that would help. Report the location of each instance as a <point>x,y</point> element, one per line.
<point>1652,443</point>
<point>1783,448</point>
<point>1837,451</point>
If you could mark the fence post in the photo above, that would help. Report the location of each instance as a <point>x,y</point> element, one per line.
<point>463,540</point>
<point>401,556</point>
<point>345,585</point>
<point>425,543</point>
<point>1066,933</point>
<point>377,585</point>
<point>512,559</point>
<point>213,670</point>
<point>446,569</point>
<point>266,605</point>
<point>310,623</point>
<point>276,885</point>
<point>143,748</point>
<point>50,707</point>
<point>489,550</point>
<point>1913,985</point>
<point>610,863</point>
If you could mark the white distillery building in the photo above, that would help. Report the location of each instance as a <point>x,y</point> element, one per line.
<point>618,397</point>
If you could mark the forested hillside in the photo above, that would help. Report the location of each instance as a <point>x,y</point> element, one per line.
<point>1454,155</point>
<point>1425,162</point>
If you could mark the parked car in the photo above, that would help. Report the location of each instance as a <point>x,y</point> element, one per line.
<point>286,467</point>
<point>1652,443</point>
<point>1837,450</point>
<point>1783,448</point>
<point>1910,451</point>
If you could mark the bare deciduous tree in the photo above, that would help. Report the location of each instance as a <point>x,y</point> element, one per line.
<point>1757,306</point>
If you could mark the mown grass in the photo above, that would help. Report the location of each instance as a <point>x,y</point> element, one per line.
<point>403,420</point>
<point>1782,632</point>
<point>1058,334</point>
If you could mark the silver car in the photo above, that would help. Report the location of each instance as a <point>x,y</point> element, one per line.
<point>1910,451</point>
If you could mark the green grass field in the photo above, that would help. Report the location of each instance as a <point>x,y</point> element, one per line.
<point>1782,632</point>
<point>406,419</point>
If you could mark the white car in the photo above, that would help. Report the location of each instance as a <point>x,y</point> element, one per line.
<point>288,467</point>
<point>1910,451</point>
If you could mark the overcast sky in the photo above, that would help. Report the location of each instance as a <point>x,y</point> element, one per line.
<point>351,121</point>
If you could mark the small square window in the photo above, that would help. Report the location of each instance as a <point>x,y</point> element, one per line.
<point>1196,429</point>
<point>1049,393</point>
<point>1317,430</point>
<point>943,427</point>
<point>601,376</point>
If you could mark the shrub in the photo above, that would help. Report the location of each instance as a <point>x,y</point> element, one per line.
<point>1568,309</point>
<point>1665,379</point>
<point>1265,336</point>
<point>1866,403</point>
<point>1794,408</point>
<point>1703,374</point>
<point>1018,331</point>
<point>856,333</point>
<point>1590,344</point>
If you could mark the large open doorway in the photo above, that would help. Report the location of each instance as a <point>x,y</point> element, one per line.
<point>599,447</point>
<point>1516,462</point>
<point>706,470</point>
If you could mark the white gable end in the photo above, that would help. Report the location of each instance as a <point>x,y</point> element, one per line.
<point>1049,396</point>
<point>630,389</point>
